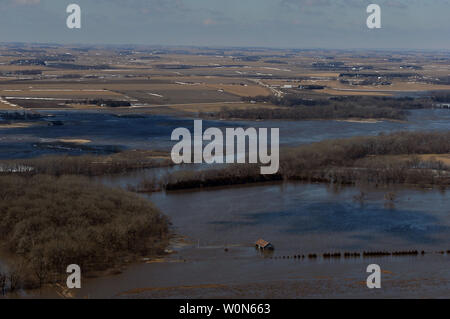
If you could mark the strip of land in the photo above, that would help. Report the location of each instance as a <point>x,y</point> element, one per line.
<point>414,158</point>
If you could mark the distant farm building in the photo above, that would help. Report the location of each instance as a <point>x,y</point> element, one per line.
<point>311,87</point>
<point>263,245</point>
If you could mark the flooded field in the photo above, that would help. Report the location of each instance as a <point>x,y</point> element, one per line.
<point>217,257</point>
<point>109,132</point>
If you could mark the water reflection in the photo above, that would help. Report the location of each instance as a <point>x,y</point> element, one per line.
<point>153,131</point>
<point>310,216</point>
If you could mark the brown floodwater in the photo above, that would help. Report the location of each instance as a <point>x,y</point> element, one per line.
<point>298,219</point>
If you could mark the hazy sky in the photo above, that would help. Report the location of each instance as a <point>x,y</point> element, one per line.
<point>423,24</point>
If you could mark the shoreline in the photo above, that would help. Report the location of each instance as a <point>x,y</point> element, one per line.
<point>157,110</point>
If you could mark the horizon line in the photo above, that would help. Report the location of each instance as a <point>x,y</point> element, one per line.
<point>447,50</point>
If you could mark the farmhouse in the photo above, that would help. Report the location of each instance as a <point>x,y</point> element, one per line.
<point>263,245</point>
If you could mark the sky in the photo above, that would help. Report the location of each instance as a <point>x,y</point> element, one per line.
<point>339,24</point>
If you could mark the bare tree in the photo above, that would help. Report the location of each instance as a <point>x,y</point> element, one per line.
<point>3,279</point>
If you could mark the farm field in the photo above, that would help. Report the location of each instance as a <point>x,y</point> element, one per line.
<point>205,80</point>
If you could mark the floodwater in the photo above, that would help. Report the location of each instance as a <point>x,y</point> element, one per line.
<point>109,132</point>
<point>216,256</point>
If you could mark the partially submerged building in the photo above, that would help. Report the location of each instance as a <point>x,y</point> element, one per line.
<point>263,245</point>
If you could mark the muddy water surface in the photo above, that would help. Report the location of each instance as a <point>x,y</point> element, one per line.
<point>217,257</point>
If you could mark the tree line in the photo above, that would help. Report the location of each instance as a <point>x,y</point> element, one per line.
<point>377,160</point>
<point>48,223</point>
